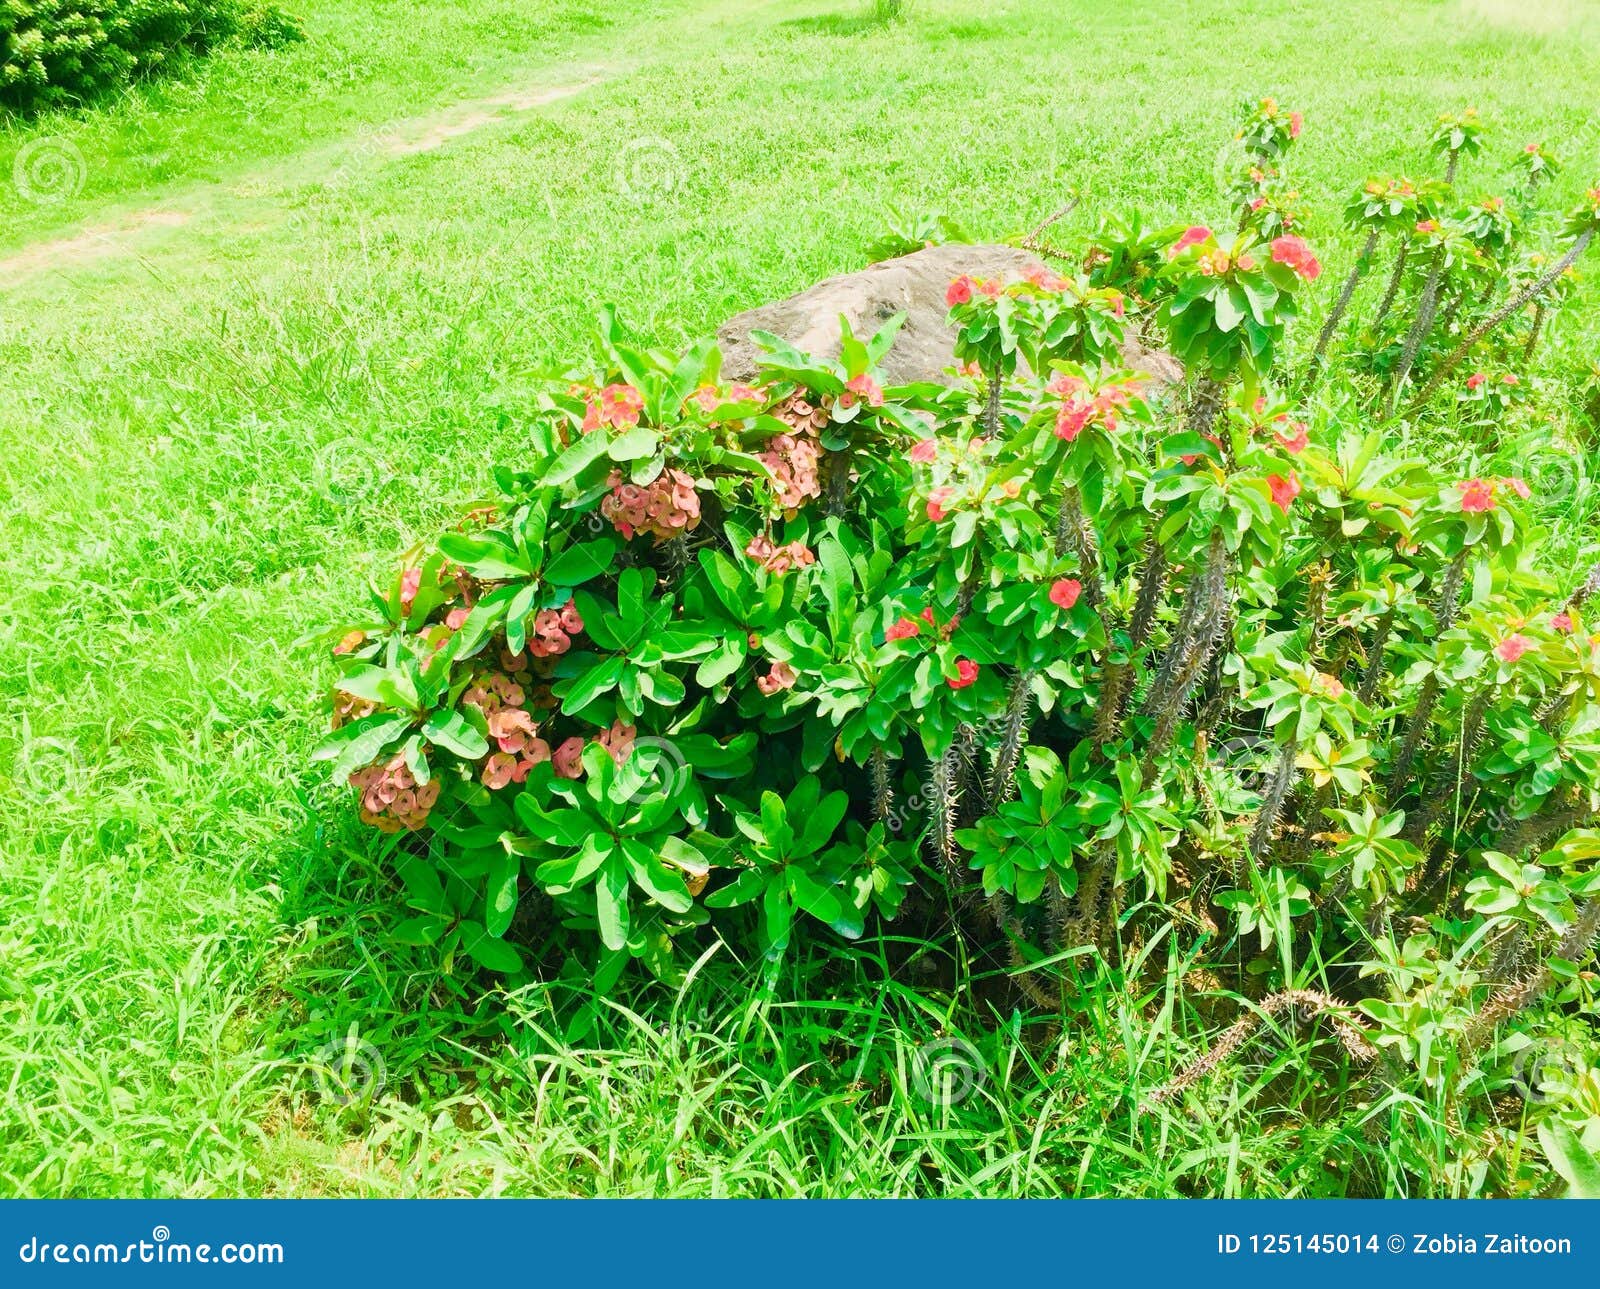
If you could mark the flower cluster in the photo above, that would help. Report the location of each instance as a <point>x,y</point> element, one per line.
<point>617,406</point>
<point>668,506</point>
<point>779,559</point>
<point>1295,252</point>
<point>793,458</point>
<point>1084,404</point>
<point>391,798</point>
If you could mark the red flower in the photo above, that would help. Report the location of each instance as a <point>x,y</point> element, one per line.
<point>1519,486</point>
<point>868,389</point>
<point>1044,279</point>
<point>1296,124</point>
<point>1064,593</point>
<point>1477,378</point>
<point>990,287</point>
<point>568,758</point>
<point>1513,647</point>
<point>1477,496</point>
<point>1531,148</point>
<point>1072,418</point>
<point>1296,440</point>
<point>706,398</point>
<point>966,673</point>
<point>1192,236</point>
<point>959,291</point>
<point>1296,253</point>
<point>904,629</point>
<point>1509,379</point>
<point>936,500</point>
<point>924,451</point>
<point>927,616</point>
<point>1284,491</point>
<point>1562,621</point>
<point>1428,226</point>
<point>617,405</point>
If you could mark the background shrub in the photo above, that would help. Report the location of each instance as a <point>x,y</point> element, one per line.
<point>55,51</point>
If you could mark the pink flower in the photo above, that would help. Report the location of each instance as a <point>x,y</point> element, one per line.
<point>1296,253</point>
<point>966,673</point>
<point>991,288</point>
<point>1513,647</point>
<point>568,758</point>
<point>1072,418</point>
<point>867,388</point>
<point>936,500</point>
<point>1331,685</point>
<point>617,405</point>
<point>959,291</point>
<point>1509,379</point>
<point>410,584</point>
<point>1531,148</point>
<point>1064,593</point>
<point>1477,496</point>
<point>1296,124</point>
<point>1296,440</point>
<point>1256,203</point>
<point>781,677</point>
<point>1519,486</point>
<point>1043,278</point>
<point>349,641</point>
<point>1428,226</point>
<point>924,450</point>
<point>706,398</point>
<point>1283,490</point>
<point>1562,621</point>
<point>498,769</point>
<point>904,629</point>
<point>1192,236</point>
<point>1477,378</point>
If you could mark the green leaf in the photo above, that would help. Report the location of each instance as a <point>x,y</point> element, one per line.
<point>611,902</point>
<point>485,557</point>
<point>488,952</point>
<point>1571,1158</point>
<point>636,443</point>
<point>451,731</point>
<point>500,899</point>
<point>580,563</point>
<point>579,454</point>
<point>359,742</point>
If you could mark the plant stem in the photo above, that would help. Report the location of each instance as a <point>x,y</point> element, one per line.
<point>1511,306</point>
<point>1018,706</point>
<point>1283,776</point>
<point>1374,673</point>
<point>1533,333</point>
<point>1152,580</point>
<point>882,793</point>
<point>1421,325</point>
<point>1336,314</point>
<point>1444,619</point>
<point>1393,289</point>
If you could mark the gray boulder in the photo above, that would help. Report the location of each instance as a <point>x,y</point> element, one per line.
<point>914,285</point>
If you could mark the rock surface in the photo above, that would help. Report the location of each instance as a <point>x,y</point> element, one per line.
<point>914,285</point>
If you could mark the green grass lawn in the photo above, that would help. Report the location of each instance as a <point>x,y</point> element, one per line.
<point>218,421</point>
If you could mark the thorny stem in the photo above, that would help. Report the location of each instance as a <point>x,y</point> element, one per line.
<point>1444,617</point>
<point>882,792</point>
<point>1533,333</point>
<point>1015,729</point>
<point>1575,946</point>
<point>1374,673</point>
<point>1421,325</point>
<point>1152,580</point>
<point>1340,306</point>
<point>1393,288</point>
<point>1511,306</point>
<point>1283,775</point>
<point>1350,1031</point>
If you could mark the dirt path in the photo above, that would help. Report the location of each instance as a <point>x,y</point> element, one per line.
<point>397,139</point>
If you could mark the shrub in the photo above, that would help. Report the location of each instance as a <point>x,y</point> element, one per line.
<point>1044,655</point>
<point>55,51</point>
